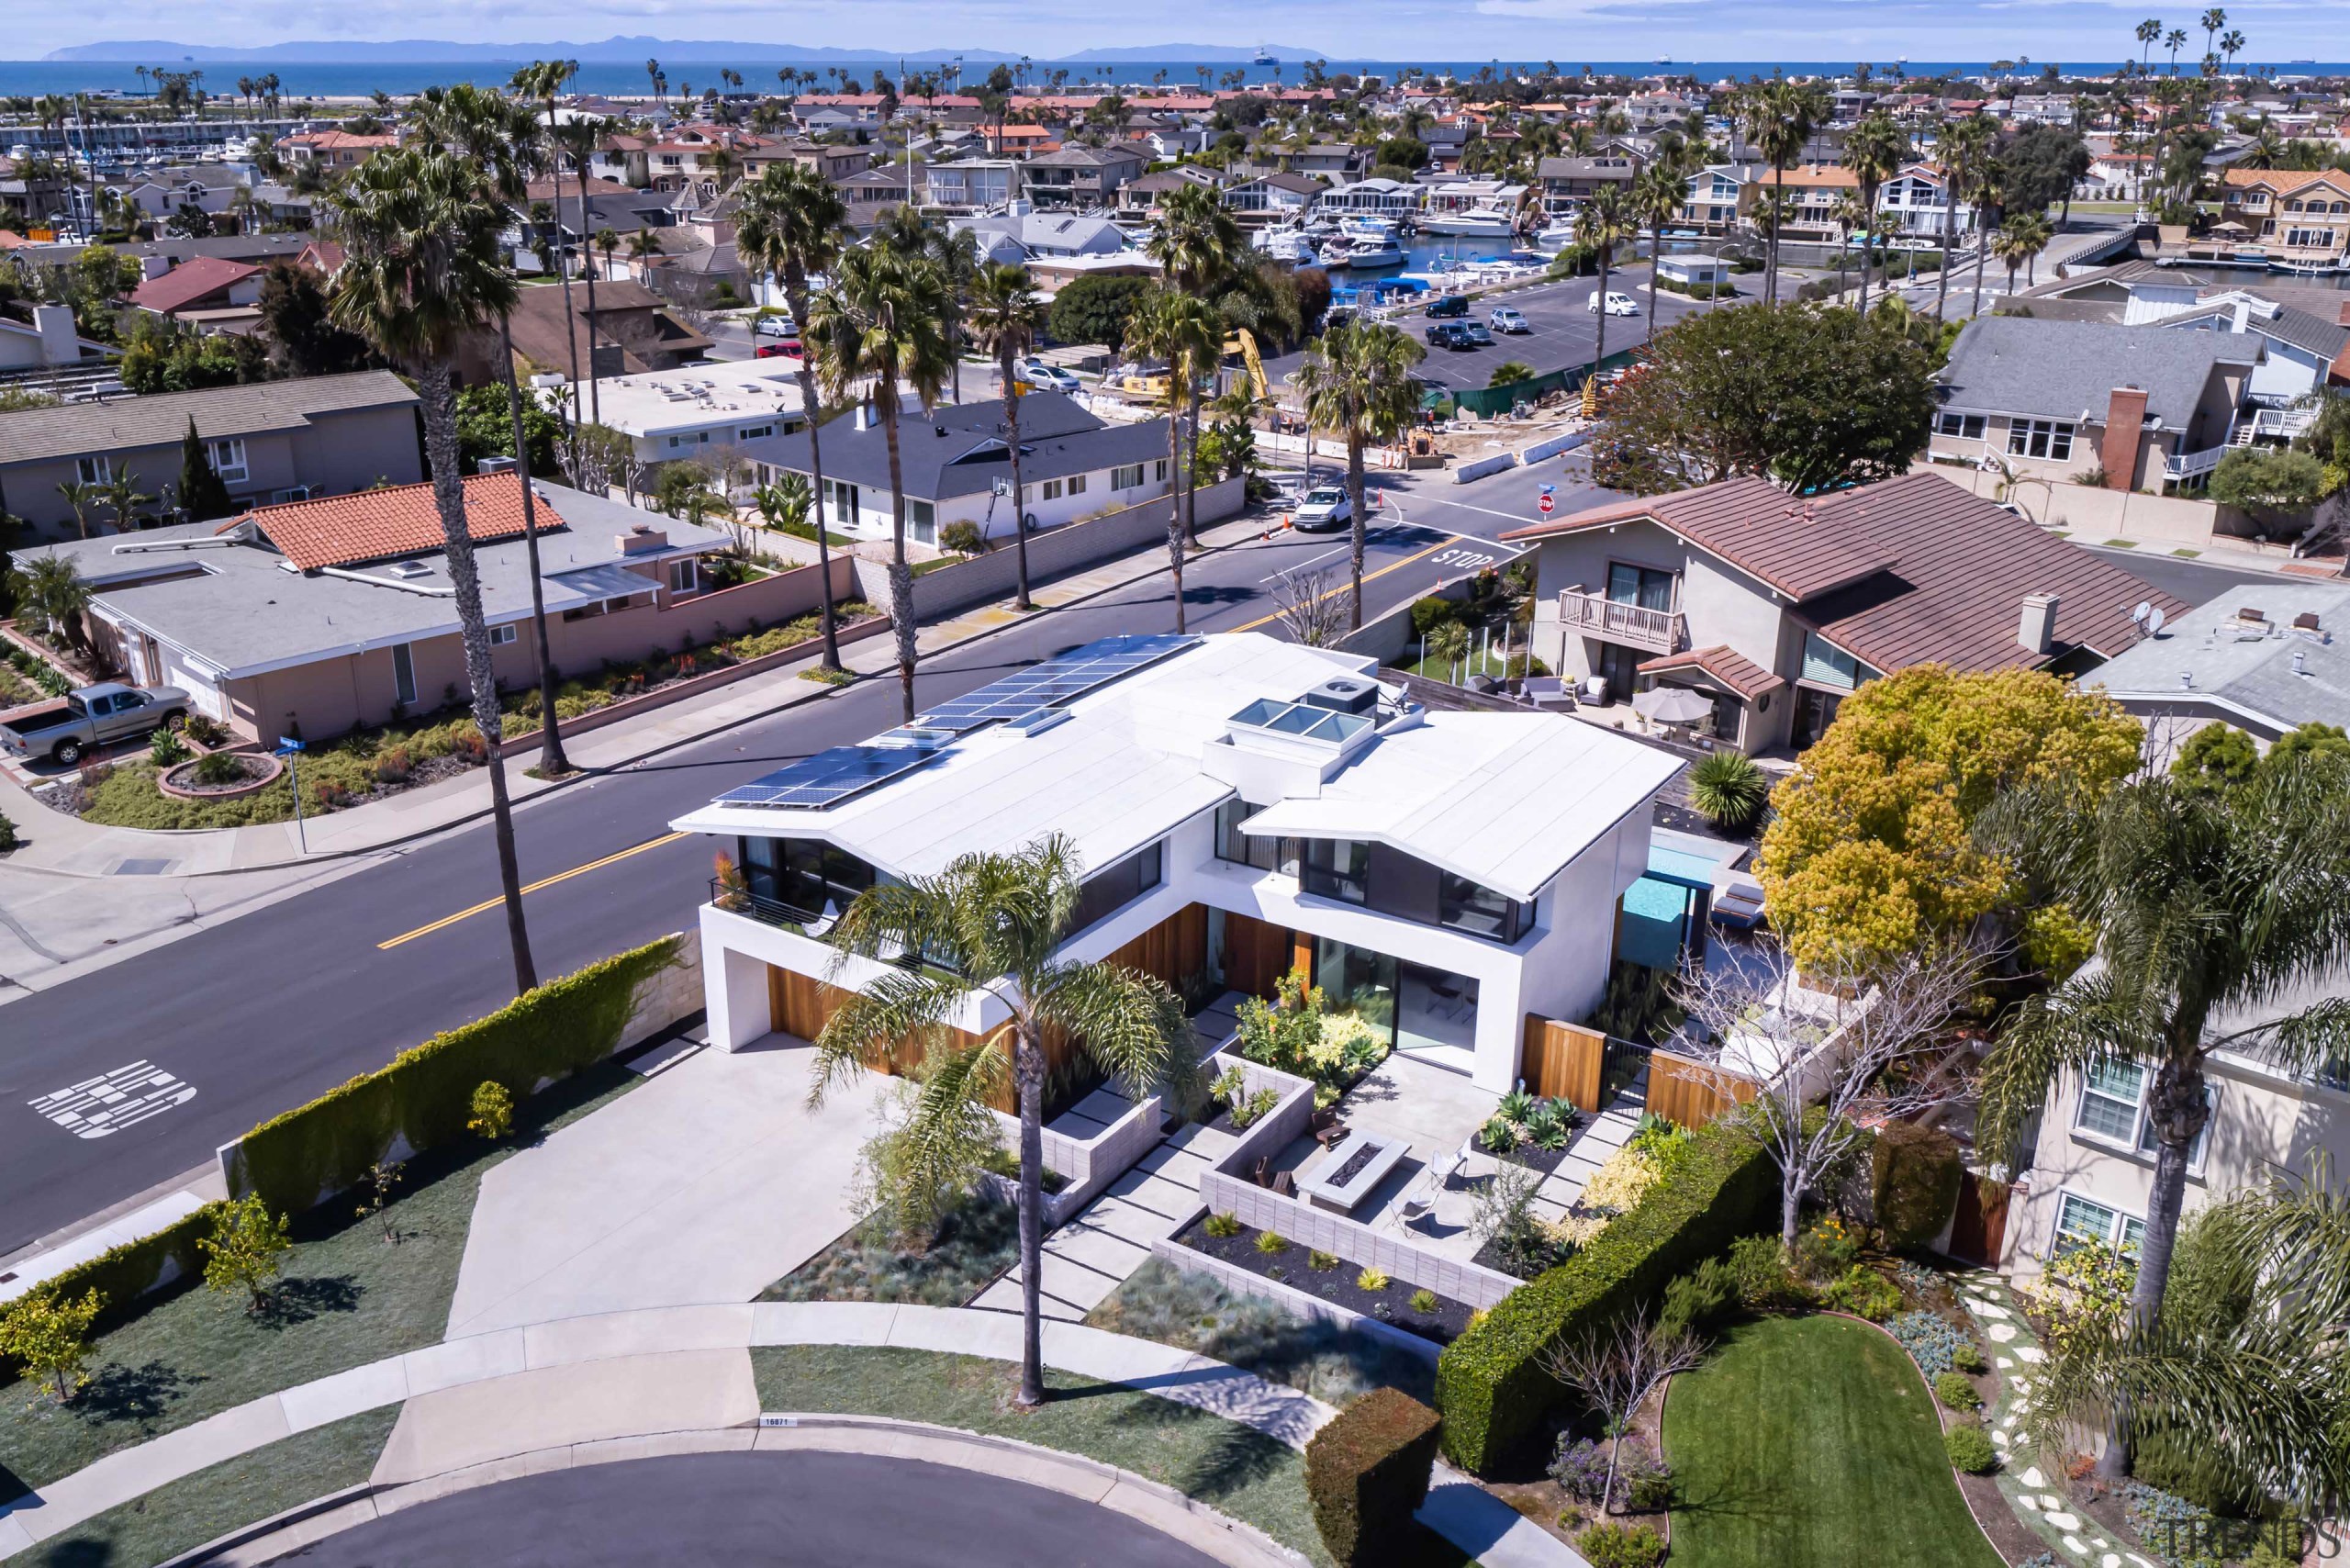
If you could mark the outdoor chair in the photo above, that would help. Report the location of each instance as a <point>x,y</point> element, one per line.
<point>1284,1186</point>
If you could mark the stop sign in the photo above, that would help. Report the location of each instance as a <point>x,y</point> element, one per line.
<point>1543,505</point>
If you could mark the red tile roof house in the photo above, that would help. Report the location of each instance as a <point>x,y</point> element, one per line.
<point>203,283</point>
<point>1776,607</point>
<point>336,614</point>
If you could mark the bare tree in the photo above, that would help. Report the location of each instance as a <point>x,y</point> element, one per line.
<point>1310,607</point>
<point>1812,1065</point>
<point>1616,1369</point>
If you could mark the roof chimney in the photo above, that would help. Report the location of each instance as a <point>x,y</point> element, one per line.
<point>2037,630</point>
<point>640,538</point>
<point>2125,420</point>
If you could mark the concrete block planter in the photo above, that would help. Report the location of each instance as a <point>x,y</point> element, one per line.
<point>179,779</point>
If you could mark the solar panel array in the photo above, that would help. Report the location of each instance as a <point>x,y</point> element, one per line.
<point>1055,683</point>
<point>829,777</point>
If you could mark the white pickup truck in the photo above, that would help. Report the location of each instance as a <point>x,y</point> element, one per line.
<point>90,718</point>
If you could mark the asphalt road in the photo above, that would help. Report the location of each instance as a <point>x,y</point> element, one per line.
<point>834,1510</point>
<point>1564,333</point>
<point>278,1005</point>
<point>275,1007</point>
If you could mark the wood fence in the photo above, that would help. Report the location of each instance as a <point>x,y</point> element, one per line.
<point>1564,1061</point>
<point>1690,1093</point>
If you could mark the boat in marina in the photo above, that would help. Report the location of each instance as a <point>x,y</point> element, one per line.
<point>1480,222</point>
<point>1286,245</point>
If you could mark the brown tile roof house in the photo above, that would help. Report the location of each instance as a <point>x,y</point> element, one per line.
<point>377,525</point>
<point>633,333</point>
<point>1739,589</point>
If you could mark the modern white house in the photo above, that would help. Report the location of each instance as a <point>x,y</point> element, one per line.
<point>704,411</point>
<point>955,465</point>
<point>1242,806</point>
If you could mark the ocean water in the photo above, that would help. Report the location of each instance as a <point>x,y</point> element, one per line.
<point>347,79</point>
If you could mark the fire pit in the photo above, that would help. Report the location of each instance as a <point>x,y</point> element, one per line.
<point>1353,1173</point>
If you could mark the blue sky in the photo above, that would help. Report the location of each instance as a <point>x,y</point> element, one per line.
<point>1568,31</point>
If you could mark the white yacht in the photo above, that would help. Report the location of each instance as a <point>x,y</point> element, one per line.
<point>1363,250</point>
<point>1484,220</point>
<point>1287,244</point>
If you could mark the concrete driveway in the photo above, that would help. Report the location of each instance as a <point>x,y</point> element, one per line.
<point>709,1183</point>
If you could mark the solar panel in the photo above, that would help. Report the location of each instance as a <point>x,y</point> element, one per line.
<point>1055,683</point>
<point>829,777</point>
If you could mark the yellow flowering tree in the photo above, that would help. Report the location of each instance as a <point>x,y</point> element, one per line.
<point>1871,853</point>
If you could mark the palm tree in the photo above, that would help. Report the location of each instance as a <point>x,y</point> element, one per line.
<point>643,246</point>
<point>1657,194</point>
<point>122,493</point>
<point>2210,908</point>
<point>499,137</point>
<point>1357,382</point>
<point>790,225</point>
<point>1778,117</point>
<point>1989,195</point>
<point>2020,240</point>
<point>81,497</point>
<point>423,272</point>
<point>606,241</point>
<point>883,319</point>
<point>1178,327</point>
<point>2231,44</point>
<point>1000,920</point>
<point>53,586</point>
<point>956,254</point>
<point>1606,221</point>
<point>543,81</point>
<point>1874,152</point>
<point>653,75</point>
<point>1007,314</point>
<point>789,501</point>
<point>1965,147</point>
<point>1199,247</point>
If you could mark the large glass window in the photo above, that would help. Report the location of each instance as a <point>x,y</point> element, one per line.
<point>1231,844</point>
<point>1107,892</point>
<point>803,875</point>
<point>1466,906</point>
<point>1336,869</point>
<point>2041,438</point>
<point>1356,980</point>
<point>1827,664</point>
<point>2113,1109</point>
<point>2081,1222</point>
<point>1643,585</point>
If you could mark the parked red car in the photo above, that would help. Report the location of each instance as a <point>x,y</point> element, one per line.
<point>788,349</point>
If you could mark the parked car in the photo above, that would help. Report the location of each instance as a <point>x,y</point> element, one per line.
<point>1324,507</point>
<point>775,327</point>
<point>1455,335</point>
<point>1450,305</point>
<point>1507,318</point>
<point>1472,336</point>
<point>1617,304</point>
<point>1050,377</point>
<point>91,717</point>
<point>786,348</point>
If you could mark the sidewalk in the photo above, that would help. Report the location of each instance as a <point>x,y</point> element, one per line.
<point>623,1375</point>
<point>69,845</point>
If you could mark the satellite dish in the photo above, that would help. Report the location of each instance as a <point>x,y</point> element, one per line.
<point>2145,608</point>
<point>2154,623</point>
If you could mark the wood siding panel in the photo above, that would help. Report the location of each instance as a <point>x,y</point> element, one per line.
<point>801,1004</point>
<point>1257,953</point>
<point>1684,1091</point>
<point>1172,951</point>
<point>1564,1061</point>
<point>1979,1229</point>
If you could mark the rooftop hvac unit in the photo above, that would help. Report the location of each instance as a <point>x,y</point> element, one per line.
<point>1345,694</point>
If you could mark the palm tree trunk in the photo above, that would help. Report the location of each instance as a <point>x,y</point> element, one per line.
<point>1175,513</point>
<point>2178,1111</point>
<point>588,239</point>
<point>562,270</point>
<point>1656,253</point>
<point>439,393</point>
<point>1950,221</point>
<point>1778,221</point>
<point>1357,529</point>
<point>1190,477</point>
<point>1599,344</point>
<point>1028,1072</point>
<point>1982,265</point>
<point>553,763</point>
<point>901,576</point>
<point>1019,499</point>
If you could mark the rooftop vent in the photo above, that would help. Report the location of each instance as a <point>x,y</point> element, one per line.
<point>410,569</point>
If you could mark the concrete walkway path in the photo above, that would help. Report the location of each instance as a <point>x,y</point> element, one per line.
<point>620,1376</point>
<point>709,1183</point>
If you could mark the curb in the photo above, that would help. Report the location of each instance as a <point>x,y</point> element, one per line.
<point>670,1444</point>
<point>582,775</point>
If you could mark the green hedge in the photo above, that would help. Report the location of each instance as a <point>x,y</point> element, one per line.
<point>1367,1473</point>
<point>425,1096</point>
<point>122,1275</point>
<point>1490,1384</point>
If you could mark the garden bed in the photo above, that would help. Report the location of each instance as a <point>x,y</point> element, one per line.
<point>249,773</point>
<point>975,1245</point>
<point>1440,1322</point>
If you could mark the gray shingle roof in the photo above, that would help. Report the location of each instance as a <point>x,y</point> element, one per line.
<point>2017,364</point>
<point>1057,439</point>
<point>2240,677</point>
<point>32,435</point>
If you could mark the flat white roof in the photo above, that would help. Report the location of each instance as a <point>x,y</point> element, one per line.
<point>1504,798</point>
<point>699,396</point>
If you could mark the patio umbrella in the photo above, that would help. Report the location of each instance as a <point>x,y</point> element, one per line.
<point>1672,705</point>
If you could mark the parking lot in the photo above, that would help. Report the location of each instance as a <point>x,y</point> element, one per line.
<point>1564,333</point>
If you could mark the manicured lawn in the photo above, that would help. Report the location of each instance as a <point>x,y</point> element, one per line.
<point>1232,1468</point>
<point>208,1504</point>
<point>1810,1442</point>
<point>346,1297</point>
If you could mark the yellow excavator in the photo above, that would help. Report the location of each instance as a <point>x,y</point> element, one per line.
<point>1244,343</point>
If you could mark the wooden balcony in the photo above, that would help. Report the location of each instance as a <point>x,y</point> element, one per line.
<point>1595,615</point>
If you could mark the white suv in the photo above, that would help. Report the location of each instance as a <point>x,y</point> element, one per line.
<point>1324,507</point>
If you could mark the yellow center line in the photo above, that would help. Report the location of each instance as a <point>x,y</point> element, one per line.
<point>1443,544</point>
<point>529,888</point>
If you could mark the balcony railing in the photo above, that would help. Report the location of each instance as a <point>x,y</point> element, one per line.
<point>739,900</point>
<point>1595,615</point>
<point>2193,464</point>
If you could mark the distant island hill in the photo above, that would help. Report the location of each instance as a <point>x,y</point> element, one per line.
<point>629,51</point>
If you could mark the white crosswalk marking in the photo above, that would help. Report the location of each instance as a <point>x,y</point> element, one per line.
<point>97,1107</point>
